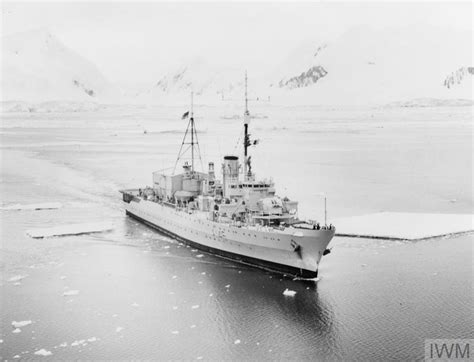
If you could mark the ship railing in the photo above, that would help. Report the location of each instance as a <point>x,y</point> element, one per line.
<point>169,204</point>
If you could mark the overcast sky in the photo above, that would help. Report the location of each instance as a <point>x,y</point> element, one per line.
<point>137,42</point>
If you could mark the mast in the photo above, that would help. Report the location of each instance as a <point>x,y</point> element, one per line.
<point>192,134</point>
<point>246,135</point>
<point>194,139</point>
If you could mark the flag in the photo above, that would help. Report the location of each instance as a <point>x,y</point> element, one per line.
<point>184,116</point>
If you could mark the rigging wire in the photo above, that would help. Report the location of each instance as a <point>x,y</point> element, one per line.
<point>238,141</point>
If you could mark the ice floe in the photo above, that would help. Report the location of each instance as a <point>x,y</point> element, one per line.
<point>17,330</point>
<point>404,226</point>
<point>195,306</point>
<point>62,277</point>
<point>192,326</point>
<point>21,324</point>
<point>70,293</point>
<point>175,332</point>
<point>199,256</point>
<point>43,352</point>
<point>80,342</point>
<point>71,229</point>
<point>289,293</point>
<point>237,341</point>
<point>118,329</point>
<point>307,279</point>
<point>17,278</point>
<point>41,206</point>
<point>135,304</point>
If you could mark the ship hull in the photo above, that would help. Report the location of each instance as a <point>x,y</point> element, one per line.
<point>267,250</point>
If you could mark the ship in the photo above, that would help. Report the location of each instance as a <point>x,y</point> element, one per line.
<point>236,217</point>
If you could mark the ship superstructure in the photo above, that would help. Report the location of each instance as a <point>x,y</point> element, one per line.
<point>237,217</point>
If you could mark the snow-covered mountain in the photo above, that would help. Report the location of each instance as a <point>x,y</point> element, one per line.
<point>208,82</point>
<point>37,67</point>
<point>459,76</point>
<point>365,66</point>
<point>362,67</point>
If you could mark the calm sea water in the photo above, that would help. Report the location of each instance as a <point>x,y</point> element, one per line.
<point>142,295</point>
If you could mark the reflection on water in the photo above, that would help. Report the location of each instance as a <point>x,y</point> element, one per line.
<point>240,302</point>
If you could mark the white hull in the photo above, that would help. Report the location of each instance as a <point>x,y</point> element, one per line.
<point>260,246</point>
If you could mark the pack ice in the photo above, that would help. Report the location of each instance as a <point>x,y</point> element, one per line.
<point>71,229</point>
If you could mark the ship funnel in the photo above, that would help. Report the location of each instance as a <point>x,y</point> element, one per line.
<point>231,166</point>
<point>230,174</point>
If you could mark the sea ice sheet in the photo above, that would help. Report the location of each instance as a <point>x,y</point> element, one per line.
<point>404,226</point>
<point>42,206</point>
<point>71,229</point>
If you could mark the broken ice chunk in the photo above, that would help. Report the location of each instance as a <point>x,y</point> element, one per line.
<point>289,293</point>
<point>17,278</point>
<point>43,352</point>
<point>78,343</point>
<point>21,324</point>
<point>70,293</point>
